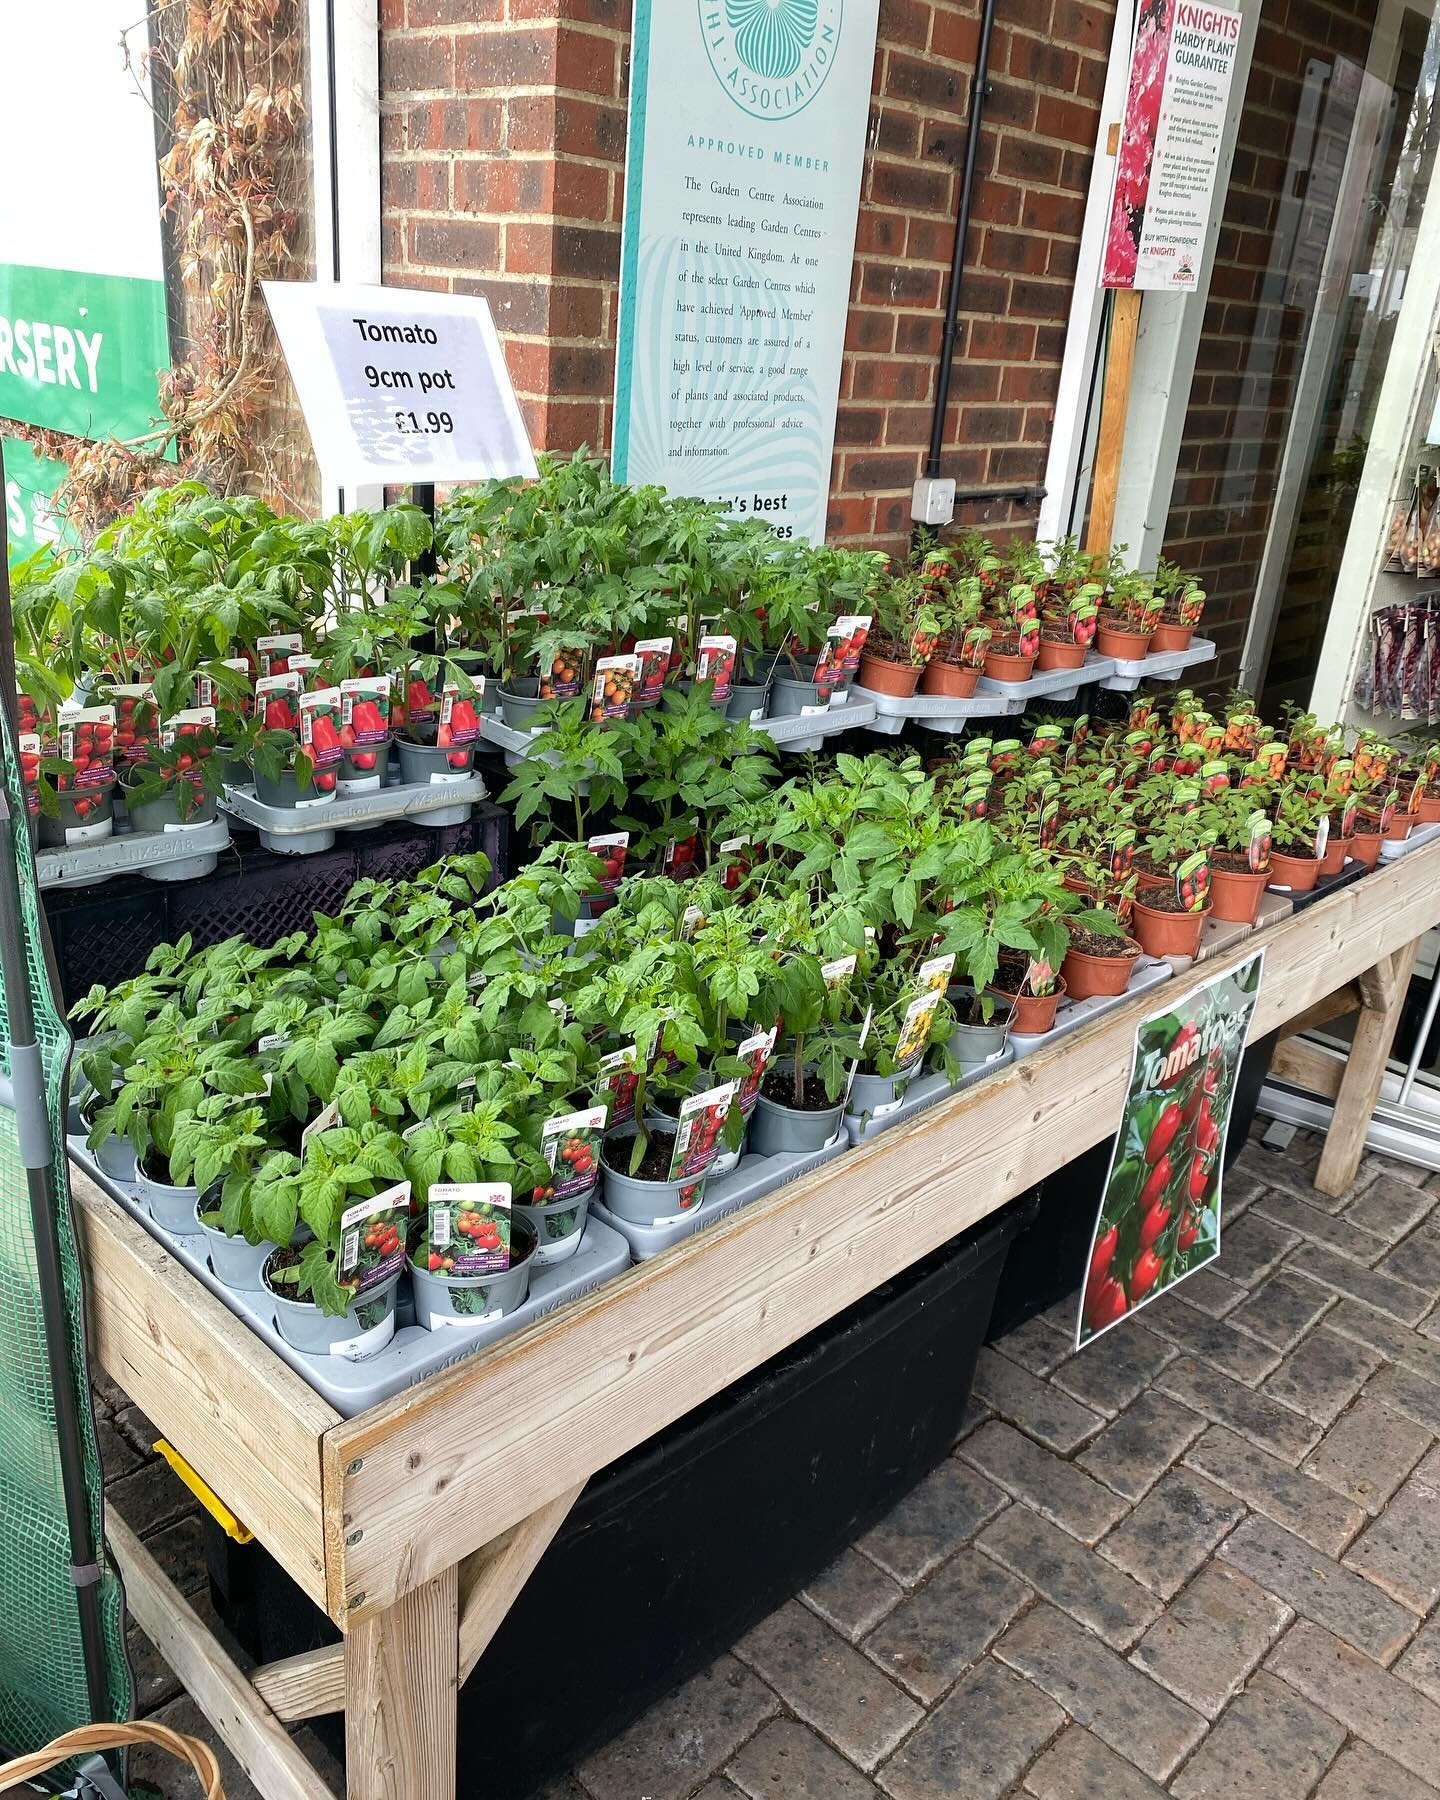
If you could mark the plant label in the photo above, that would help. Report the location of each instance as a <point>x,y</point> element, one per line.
<point>654,658</point>
<point>277,701</point>
<point>320,726</point>
<point>755,1052</point>
<point>715,662</point>
<point>915,1024</point>
<point>933,977</point>
<point>322,1121</point>
<point>811,712</point>
<point>459,722</point>
<point>372,1238</point>
<point>1257,850</point>
<point>613,691</point>
<point>273,654</point>
<point>836,974</point>
<point>364,714</point>
<point>28,749</point>
<point>468,1228</point>
<point>859,1056</point>
<point>208,691</point>
<point>570,1144</point>
<point>612,849</point>
<point>87,743</point>
<point>1192,881</point>
<point>697,1141</point>
<point>1322,835</point>
<point>619,1075</point>
<point>734,864</point>
<point>136,719</point>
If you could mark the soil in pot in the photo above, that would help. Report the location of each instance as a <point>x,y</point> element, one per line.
<point>1164,926</point>
<point>779,1088</point>
<point>1295,869</point>
<point>1096,965</point>
<point>949,680</point>
<point>882,676</point>
<point>363,1329</point>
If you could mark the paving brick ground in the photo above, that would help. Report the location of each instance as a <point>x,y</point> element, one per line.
<point>1200,1559</point>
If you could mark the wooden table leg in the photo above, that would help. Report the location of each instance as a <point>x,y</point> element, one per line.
<point>1375,1028</point>
<point>401,1683</point>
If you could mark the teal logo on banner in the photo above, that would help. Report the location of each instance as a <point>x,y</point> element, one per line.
<point>771,56</point>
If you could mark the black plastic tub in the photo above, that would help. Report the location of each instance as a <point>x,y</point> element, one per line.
<point>675,1551</point>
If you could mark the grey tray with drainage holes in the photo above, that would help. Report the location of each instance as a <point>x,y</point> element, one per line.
<point>944,713</point>
<point>1392,851</point>
<point>752,1177</point>
<point>923,1092</point>
<point>1053,684</point>
<point>160,855</point>
<point>1071,1015</point>
<point>301,831</point>
<point>1162,666</point>
<point>798,731</point>
<point>413,1353</point>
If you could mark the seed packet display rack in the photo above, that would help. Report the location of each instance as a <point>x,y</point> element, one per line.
<point>360,1511</point>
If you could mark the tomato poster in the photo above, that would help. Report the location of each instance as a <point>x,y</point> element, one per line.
<point>1160,1218</point>
<point>1181,72</point>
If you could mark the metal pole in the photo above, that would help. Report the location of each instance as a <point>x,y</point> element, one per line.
<point>32,1127</point>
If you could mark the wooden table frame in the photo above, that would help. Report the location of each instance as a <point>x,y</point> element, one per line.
<point>358,1510</point>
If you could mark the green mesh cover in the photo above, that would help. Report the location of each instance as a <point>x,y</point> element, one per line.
<point>42,1665</point>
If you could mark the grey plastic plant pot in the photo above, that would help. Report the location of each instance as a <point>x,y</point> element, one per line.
<point>558,1226</point>
<point>287,794</point>
<point>238,1264</point>
<point>789,698</point>
<point>98,822</point>
<point>746,697</point>
<point>423,762</point>
<point>163,813</point>
<point>643,1202</point>
<point>172,1208</point>
<point>450,1301</point>
<point>777,1130</point>
<point>973,1046</point>
<point>116,1157</point>
<point>363,1329</point>
<point>364,781</point>
<point>870,1092</point>
<point>518,705</point>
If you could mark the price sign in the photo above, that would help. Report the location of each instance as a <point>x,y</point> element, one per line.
<point>399,385</point>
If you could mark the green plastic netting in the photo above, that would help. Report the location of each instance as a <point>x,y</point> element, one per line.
<point>43,1689</point>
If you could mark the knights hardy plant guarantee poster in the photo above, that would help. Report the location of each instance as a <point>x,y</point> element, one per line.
<point>1159,1219</point>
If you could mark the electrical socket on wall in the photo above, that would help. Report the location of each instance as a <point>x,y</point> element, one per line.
<point>932,501</point>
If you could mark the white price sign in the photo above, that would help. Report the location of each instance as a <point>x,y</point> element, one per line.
<point>399,385</point>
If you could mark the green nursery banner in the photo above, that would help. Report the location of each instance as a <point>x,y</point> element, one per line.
<point>1159,1219</point>
<point>747,141</point>
<point>83,331</point>
<point>30,484</point>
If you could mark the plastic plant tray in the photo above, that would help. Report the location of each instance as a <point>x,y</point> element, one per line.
<point>1391,851</point>
<point>1163,665</point>
<point>923,1092</point>
<point>752,1177</point>
<point>301,831</point>
<point>159,855</point>
<point>797,731</point>
<point>1055,684</point>
<point>413,1353</point>
<point>1072,1014</point>
<point>938,712</point>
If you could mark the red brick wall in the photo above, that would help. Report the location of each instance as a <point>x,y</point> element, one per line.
<point>504,132</point>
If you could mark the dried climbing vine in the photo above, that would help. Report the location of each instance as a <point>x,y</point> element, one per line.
<point>228,82</point>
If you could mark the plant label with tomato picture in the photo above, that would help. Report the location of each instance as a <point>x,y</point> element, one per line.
<point>1159,1218</point>
<point>136,719</point>
<point>697,1141</point>
<point>654,659</point>
<point>276,705</point>
<point>208,691</point>
<point>87,743</point>
<point>372,1238</point>
<point>715,661</point>
<point>619,1076</point>
<point>459,722</point>
<point>755,1052</point>
<point>272,654</point>
<point>320,726</point>
<point>612,849</point>
<point>570,1144</point>
<point>364,711</point>
<point>28,747</point>
<point>467,1228</point>
<point>613,694</point>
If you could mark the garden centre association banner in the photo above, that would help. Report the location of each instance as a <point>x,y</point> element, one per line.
<point>1159,1219</point>
<point>1180,78</point>
<point>83,331</point>
<point>747,140</point>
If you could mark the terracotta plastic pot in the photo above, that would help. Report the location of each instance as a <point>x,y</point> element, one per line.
<point>1365,847</point>
<point>1430,810</point>
<point>1003,665</point>
<point>1400,827</point>
<point>882,676</point>
<point>1144,879</point>
<point>1162,933</point>
<point>1171,637</point>
<point>953,681</point>
<point>1034,1014</point>
<point>1126,645</point>
<point>1089,977</point>
<point>1235,894</point>
<point>1059,656</point>
<point>1333,861</point>
<point>1298,873</point>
